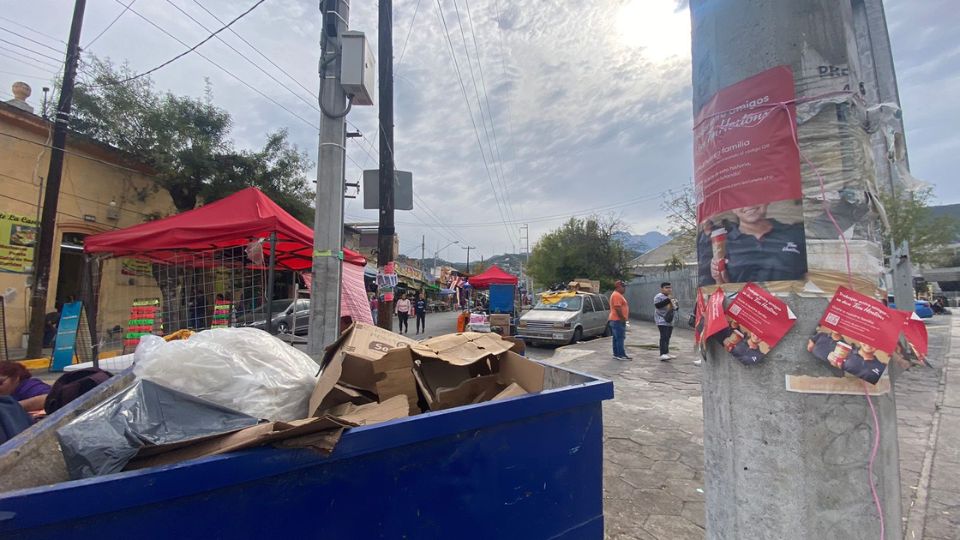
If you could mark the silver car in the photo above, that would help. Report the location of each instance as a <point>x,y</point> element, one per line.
<point>288,317</point>
<point>566,321</point>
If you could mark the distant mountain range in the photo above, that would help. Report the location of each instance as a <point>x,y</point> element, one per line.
<point>641,243</point>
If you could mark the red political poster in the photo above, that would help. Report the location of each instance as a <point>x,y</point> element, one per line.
<point>916,333</point>
<point>698,325</point>
<point>758,321</point>
<point>857,334</point>
<point>747,183</point>
<point>716,320</point>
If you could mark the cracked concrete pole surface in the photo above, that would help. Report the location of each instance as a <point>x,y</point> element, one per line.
<point>781,464</point>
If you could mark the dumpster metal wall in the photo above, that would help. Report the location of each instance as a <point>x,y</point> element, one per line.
<point>526,467</point>
<point>641,290</point>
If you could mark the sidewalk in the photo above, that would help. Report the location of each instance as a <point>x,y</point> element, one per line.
<point>653,431</point>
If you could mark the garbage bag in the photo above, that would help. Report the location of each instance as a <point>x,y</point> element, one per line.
<point>245,369</point>
<point>103,439</point>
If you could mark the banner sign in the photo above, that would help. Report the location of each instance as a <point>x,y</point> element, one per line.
<point>18,236</point>
<point>66,342</point>
<point>745,158</point>
<point>857,334</point>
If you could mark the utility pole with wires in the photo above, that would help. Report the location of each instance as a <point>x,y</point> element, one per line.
<point>48,220</point>
<point>328,231</point>
<point>423,250</point>
<point>468,248</point>
<point>387,229</point>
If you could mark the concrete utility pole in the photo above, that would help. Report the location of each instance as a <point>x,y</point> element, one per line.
<point>423,250</point>
<point>468,248</point>
<point>387,230</point>
<point>51,198</point>
<point>328,231</point>
<point>781,464</point>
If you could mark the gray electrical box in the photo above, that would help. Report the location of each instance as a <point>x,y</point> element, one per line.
<point>358,68</point>
<point>402,190</point>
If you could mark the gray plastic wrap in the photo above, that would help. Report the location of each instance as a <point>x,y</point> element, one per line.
<point>105,438</point>
<point>242,368</point>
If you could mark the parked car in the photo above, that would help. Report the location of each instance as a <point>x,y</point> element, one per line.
<point>288,316</point>
<point>922,308</point>
<point>566,321</point>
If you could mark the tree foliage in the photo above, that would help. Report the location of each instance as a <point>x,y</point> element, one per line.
<point>681,209</point>
<point>587,248</point>
<point>911,219</point>
<point>186,141</point>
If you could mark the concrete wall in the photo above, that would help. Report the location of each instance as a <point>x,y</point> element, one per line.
<point>641,290</point>
<point>93,177</point>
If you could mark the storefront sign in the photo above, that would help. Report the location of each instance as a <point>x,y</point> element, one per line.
<point>18,236</point>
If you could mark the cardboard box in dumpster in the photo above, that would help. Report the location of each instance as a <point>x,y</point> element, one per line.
<point>319,433</point>
<point>357,360</point>
<point>466,368</point>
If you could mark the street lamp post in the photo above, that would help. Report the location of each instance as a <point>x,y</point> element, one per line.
<point>437,252</point>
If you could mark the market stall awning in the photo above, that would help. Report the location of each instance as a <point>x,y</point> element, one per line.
<point>493,276</point>
<point>233,221</point>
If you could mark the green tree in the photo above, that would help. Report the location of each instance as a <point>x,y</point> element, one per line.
<point>186,141</point>
<point>910,218</point>
<point>588,248</point>
<point>681,209</point>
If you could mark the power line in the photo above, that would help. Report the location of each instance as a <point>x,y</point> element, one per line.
<point>35,62</point>
<point>44,55</point>
<point>72,153</point>
<point>35,31</point>
<point>31,40</point>
<point>225,70</point>
<point>191,49</point>
<point>409,31</point>
<point>251,62</point>
<point>503,69</point>
<point>109,26</point>
<point>476,130</point>
<point>27,75</point>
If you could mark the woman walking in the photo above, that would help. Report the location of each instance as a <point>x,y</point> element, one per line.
<point>403,313</point>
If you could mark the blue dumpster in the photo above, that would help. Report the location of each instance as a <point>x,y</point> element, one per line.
<point>527,467</point>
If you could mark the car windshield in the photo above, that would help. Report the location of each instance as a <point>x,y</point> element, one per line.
<point>566,304</point>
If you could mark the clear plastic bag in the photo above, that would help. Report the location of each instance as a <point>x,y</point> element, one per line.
<point>245,369</point>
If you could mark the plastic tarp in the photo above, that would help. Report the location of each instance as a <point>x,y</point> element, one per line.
<point>229,222</point>
<point>353,298</point>
<point>104,439</point>
<point>492,276</point>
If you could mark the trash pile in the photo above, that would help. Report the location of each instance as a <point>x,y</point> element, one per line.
<point>229,389</point>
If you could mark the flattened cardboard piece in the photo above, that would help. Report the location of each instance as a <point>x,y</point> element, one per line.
<point>371,413</point>
<point>462,348</point>
<point>251,437</point>
<point>447,386</point>
<point>846,385</point>
<point>323,441</point>
<point>759,321</point>
<point>341,394</point>
<point>513,390</point>
<point>358,358</point>
<point>857,334</point>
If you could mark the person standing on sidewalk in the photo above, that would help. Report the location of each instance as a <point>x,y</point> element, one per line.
<point>420,310</point>
<point>619,311</point>
<point>665,308</point>
<point>403,314</point>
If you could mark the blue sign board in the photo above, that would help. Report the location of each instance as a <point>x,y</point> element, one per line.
<point>66,343</point>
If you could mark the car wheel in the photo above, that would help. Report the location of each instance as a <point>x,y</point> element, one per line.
<point>577,335</point>
<point>283,328</point>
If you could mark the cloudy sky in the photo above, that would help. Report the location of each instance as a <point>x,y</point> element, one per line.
<point>580,110</point>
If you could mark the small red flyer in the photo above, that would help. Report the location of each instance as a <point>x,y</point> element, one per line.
<point>698,319</point>
<point>759,321</point>
<point>857,334</point>
<point>716,320</point>
<point>916,333</point>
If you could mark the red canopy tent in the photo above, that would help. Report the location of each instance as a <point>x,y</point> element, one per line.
<point>233,221</point>
<point>492,276</point>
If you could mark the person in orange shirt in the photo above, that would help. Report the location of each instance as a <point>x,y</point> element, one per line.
<point>619,311</point>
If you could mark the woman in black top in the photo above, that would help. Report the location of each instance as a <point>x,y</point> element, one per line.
<point>420,310</point>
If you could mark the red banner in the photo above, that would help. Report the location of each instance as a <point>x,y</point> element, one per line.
<point>916,333</point>
<point>744,152</point>
<point>762,315</point>
<point>698,319</point>
<point>857,334</point>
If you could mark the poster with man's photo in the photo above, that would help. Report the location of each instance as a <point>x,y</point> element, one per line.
<point>857,334</point>
<point>747,183</point>
<point>758,321</point>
